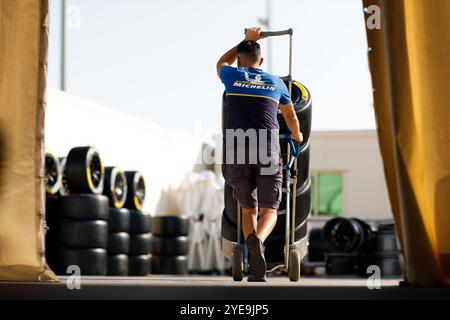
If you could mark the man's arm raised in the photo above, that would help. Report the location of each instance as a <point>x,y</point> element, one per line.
<point>252,34</point>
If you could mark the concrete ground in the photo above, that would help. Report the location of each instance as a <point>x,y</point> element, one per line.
<point>217,288</point>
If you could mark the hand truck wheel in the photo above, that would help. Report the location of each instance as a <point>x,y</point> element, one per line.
<point>294,265</point>
<point>237,268</point>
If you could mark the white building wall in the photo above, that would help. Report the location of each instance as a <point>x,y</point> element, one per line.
<point>356,154</point>
<point>164,156</point>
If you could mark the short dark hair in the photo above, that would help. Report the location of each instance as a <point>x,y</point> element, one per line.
<point>250,49</point>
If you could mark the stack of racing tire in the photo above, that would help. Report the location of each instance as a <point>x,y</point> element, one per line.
<point>386,253</point>
<point>77,235</point>
<point>139,263</point>
<point>352,245</point>
<point>170,245</point>
<point>116,189</point>
<point>95,233</point>
<point>275,243</point>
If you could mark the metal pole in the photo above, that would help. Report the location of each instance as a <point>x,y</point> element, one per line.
<point>287,235</point>
<point>63,66</point>
<point>290,65</point>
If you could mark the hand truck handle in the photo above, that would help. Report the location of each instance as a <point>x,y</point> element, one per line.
<point>294,149</point>
<point>265,34</point>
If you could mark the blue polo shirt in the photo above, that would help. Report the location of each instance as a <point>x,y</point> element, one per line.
<point>252,99</point>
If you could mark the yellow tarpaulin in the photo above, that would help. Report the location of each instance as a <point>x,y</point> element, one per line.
<point>23,65</point>
<point>410,65</point>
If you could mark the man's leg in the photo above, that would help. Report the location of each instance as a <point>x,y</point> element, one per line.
<point>249,221</point>
<point>269,196</point>
<point>266,223</point>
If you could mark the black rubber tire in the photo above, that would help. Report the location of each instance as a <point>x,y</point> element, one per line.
<point>84,170</point>
<point>51,212</point>
<point>140,244</point>
<point>230,203</point>
<point>53,173</point>
<point>140,222</point>
<point>64,189</point>
<point>303,109</point>
<point>385,241</point>
<point>275,244</point>
<point>90,261</point>
<point>229,228</point>
<point>384,227</point>
<point>170,265</point>
<point>389,263</point>
<point>139,265</point>
<point>169,246</point>
<point>117,265</point>
<point>316,247</point>
<point>294,265</point>
<point>136,190</point>
<point>170,226</point>
<point>81,207</point>
<point>118,243</point>
<point>119,220</point>
<point>115,187</point>
<point>237,266</point>
<point>340,264</point>
<point>346,235</point>
<point>303,207</point>
<point>82,234</point>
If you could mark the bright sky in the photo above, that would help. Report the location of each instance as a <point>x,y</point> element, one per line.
<point>156,59</point>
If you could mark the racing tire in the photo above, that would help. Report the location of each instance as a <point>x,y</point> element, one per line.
<point>90,261</point>
<point>84,170</point>
<point>64,189</point>
<point>82,234</point>
<point>170,265</point>
<point>139,265</point>
<point>81,207</point>
<point>140,222</point>
<point>169,246</point>
<point>136,190</point>
<point>170,226</point>
<point>117,265</point>
<point>115,187</point>
<point>140,244</point>
<point>119,220</point>
<point>275,244</point>
<point>118,243</point>
<point>53,173</point>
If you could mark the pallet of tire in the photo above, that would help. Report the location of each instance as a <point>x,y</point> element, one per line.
<point>275,243</point>
<point>352,245</point>
<point>76,220</point>
<point>139,260</point>
<point>170,245</point>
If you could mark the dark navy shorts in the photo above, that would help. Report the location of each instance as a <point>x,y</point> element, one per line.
<point>256,185</point>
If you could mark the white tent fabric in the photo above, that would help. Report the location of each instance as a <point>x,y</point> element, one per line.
<point>200,196</point>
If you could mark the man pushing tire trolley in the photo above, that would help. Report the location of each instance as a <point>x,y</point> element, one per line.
<point>253,163</point>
